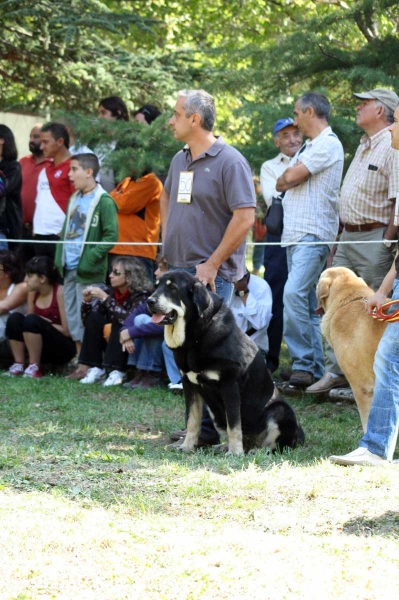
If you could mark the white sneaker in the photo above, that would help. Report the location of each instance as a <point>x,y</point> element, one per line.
<point>360,456</point>
<point>115,378</point>
<point>94,374</point>
<point>175,386</point>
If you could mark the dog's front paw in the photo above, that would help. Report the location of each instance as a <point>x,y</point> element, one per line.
<point>235,449</point>
<point>185,447</point>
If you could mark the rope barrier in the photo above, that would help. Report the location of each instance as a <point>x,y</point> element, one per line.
<point>320,243</point>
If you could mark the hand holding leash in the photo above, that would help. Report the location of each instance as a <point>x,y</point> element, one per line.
<point>206,275</point>
<point>375,302</point>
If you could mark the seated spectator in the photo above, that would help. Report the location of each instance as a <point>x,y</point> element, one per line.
<point>105,311</point>
<point>251,305</point>
<point>10,189</point>
<point>13,295</point>
<point>143,340</point>
<point>44,332</point>
<point>137,198</point>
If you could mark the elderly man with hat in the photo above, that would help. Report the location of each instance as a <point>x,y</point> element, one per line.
<point>288,139</point>
<point>366,208</point>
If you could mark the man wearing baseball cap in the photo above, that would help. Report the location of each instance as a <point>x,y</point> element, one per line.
<point>366,208</point>
<point>288,139</point>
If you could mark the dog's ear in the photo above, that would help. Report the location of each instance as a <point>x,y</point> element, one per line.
<point>323,291</point>
<point>201,297</point>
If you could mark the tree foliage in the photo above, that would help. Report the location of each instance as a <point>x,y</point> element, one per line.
<point>139,148</point>
<point>68,53</point>
<point>255,57</point>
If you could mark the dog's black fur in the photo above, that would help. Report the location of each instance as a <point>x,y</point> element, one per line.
<point>221,366</point>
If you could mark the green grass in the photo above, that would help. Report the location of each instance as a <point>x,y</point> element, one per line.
<point>93,506</point>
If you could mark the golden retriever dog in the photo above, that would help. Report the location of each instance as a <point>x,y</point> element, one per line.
<point>350,331</point>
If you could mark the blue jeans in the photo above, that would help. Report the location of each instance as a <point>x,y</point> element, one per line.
<point>382,427</point>
<point>301,323</point>
<point>3,241</point>
<point>147,355</point>
<point>170,364</point>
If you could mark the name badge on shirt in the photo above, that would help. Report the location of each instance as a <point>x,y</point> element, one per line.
<point>185,187</point>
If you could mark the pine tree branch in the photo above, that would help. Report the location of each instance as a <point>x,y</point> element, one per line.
<point>363,26</point>
<point>332,56</point>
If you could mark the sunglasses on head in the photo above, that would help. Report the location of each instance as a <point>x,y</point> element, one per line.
<point>117,272</point>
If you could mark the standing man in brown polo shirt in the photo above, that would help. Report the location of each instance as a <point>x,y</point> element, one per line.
<point>207,207</point>
<point>31,165</point>
<point>366,208</point>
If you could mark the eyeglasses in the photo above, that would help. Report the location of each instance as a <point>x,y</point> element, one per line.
<point>116,272</point>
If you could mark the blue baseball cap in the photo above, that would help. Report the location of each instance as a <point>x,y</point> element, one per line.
<point>280,124</point>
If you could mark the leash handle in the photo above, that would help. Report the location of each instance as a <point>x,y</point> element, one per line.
<point>380,314</point>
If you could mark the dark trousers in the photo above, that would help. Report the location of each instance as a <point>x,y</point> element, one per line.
<point>276,273</point>
<point>57,349</point>
<point>45,249</point>
<point>96,352</point>
<point>26,251</point>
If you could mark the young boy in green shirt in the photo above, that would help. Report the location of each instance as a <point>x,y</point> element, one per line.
<point>91,217</point>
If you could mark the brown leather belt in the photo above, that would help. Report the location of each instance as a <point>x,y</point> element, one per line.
<point>365,227</point>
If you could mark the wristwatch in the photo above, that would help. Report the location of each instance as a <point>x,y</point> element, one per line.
<point>389,243</point>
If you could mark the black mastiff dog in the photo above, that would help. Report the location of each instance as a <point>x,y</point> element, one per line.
<point>222,367</point>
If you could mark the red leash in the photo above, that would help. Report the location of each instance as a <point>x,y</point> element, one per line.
<point>381,314</point>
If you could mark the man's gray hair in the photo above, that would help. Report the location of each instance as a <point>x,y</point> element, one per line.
<point>201,103</point>
<point>318,102</point>
<point>389,114</point>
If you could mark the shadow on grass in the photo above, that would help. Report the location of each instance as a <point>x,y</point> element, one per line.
<point>101,445</point>
<point>386,525</point>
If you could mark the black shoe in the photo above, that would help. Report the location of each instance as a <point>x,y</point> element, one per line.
<point>301,379</point>
<point>285,374</point>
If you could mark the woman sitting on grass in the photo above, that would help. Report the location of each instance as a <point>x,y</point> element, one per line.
<point>44,332</point>
<point>13,295</point>
<point>130,287</point>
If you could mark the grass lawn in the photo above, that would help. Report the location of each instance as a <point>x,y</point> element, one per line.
<point>94,507</point>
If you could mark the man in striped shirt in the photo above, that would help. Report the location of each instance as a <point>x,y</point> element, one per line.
<point>311,183</point>
<point>366,208</point>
